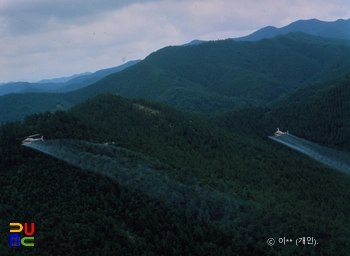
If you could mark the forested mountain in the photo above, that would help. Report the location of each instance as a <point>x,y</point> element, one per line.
<point>211,76</point>
<point>82,81</point>
<point>17,106</point>
<point>319,112</point>
<point>171,156</point>
<point>19,87</point>
<point>215,185</point>
<point>322,117</point>
<point>222,75</point>
<point>63,79</point>
<point>62,84</point>
<point>333,29</point>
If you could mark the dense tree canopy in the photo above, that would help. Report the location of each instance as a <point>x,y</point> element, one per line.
<point>238,188</point>
<point>118,176</point>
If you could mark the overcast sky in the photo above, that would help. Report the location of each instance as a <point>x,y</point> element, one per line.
<point>42,39</point>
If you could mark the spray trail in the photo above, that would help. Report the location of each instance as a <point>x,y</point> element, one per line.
<point>135,171</point>
<point>336,159</point>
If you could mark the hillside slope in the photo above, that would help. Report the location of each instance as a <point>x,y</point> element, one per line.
<point>323,117</point>
<point>223,75</point>
<point>319,112</point>
<point>244,189</point>
<point>213,76</point>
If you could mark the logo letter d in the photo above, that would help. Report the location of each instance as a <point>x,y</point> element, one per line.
<point>16,230</point>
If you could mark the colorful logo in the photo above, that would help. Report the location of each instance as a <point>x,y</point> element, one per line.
<point>16,240</point>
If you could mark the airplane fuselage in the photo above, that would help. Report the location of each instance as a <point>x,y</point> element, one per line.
<point>30,140</point>
<point>279,133</point>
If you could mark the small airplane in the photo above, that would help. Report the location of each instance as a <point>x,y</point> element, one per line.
<point>30,139</point>
<point>279,133</point>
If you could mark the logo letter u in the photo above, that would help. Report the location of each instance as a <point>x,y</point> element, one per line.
<point>31,229</point>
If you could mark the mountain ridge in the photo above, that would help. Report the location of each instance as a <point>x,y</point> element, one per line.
<point>227,66</point>
<point>62,79</point>
<point>133,176</point>
<point>332,29</point>
<point>70,83</point>
<point>210,77</point>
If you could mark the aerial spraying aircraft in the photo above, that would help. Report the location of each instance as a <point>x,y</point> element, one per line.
<point>30,138</point>
<point>279,132</point>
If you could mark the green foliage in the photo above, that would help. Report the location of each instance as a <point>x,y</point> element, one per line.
<point>278,192</point>
<point>322,117</point>
<point>208,77</point>
<point>268,190</point>
<point>16,106</point>
<point>237,74</point>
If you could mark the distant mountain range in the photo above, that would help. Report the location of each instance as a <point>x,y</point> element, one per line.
<point>202,76</point>
<point>63,79</point>
<point>208,77</point>
<point>338,29</point>
<point>173,182</point>
<point>63,84</point>
<point>333,29</point>
<point>223,75</point>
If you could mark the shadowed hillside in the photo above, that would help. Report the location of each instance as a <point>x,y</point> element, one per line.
<point>227,189</point>
<point>323,117</point>
<point>319,112</point>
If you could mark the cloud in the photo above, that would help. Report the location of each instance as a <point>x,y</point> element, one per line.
<point>34,16</point>
<point>52,38</point>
